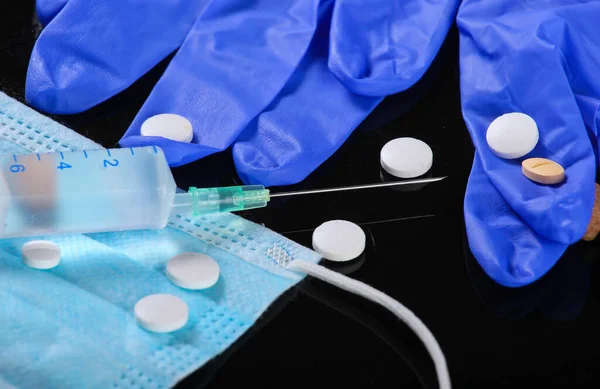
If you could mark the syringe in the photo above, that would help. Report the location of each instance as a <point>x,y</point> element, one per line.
<point>112,190</point>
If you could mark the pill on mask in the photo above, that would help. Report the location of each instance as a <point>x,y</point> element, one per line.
<point>512,135</point>
<point>406,157</point>
<point>170,126</point>
<point>193,271</point>
<point>339,240</point>
<point>161,313</point>
<point>543,171</point>
<point>593,228</point>
<point>40,254</point>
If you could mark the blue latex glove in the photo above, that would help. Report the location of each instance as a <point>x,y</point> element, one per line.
<point>317,110</point>
<point>234,58</point>
<point>88,53</point>
<point>539,58</point>
<point>231,66</point>
<point>48,9</point>
<point>382,47</point>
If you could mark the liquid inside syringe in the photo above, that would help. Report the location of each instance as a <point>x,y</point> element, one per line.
<point>106,190</point>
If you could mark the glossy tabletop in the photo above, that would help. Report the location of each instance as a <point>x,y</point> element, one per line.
<point>546,335</point>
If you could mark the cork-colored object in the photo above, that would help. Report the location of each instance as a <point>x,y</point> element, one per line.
<point>543,171</point>
<point>594,226</point>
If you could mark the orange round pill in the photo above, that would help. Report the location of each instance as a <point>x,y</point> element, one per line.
<point>543,171</point>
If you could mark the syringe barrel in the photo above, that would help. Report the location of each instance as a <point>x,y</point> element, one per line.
<point>84,191</point>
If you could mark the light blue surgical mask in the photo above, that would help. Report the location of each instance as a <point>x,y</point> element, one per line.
<point>73,326</point>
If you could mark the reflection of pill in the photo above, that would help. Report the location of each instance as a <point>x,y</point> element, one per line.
<point>193,271</point>
<point>170,126</point>
<point>543,171</point>
<point>40,254</point>
<point>512,135</point>
<point>161,313</point>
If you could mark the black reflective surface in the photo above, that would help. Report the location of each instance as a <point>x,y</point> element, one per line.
<point>544,335</point>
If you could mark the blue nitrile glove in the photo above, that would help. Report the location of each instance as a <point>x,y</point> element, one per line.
<point>230,67</point>
<point>539,58</point>
<point>382,47</point>
<point>48,9</point>
<point>235,56</point>
<point>316,112</point>
<point>89,52</point>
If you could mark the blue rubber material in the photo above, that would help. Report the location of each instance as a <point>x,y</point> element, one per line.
<point>309,120</point>
<point>382,47</point>
<point>91,51</point>
<point>223,76</point>
<point>48,9</point>
<point>247,74</point>
<point>539,58</point>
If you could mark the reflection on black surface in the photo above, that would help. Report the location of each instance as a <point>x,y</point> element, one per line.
<point>560,294</point>
<point>367,315</point>
<point>346,267</point>
<point>413,358</point>
<point>387,177</point>
<point>420,262</point>
<point>363,207</point>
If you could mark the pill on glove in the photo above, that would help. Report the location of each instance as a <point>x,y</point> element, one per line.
<point>512,135</point>
<point>161,313</point>
<point>406,157</point>
<point>593,227</point>
<point>40,254</point>
<point>170,126</point>
<point>339,240</point>
<point>543,171</point>
<point>193,271</point>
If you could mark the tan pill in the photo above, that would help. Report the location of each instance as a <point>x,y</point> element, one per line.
<point>543,171</point>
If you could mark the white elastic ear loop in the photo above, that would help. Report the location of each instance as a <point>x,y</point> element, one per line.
<point>403,313</point>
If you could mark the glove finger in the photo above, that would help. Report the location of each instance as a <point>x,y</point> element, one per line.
<point>230,67</point>
<point>505,68</point>
<point>47,10</point>
<point>90,52</point>
<point>383,47</point>
<point>284,144</point>
<point>508,250</point>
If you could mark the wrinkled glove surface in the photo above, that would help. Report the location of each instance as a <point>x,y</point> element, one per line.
<point>285,83</point>
<point>539,58</point>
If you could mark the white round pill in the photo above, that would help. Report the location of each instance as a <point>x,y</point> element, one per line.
<point>193,271</point>
<point>168,126</point>
<point>40,254</point>
<point>512,135</point>
<point>406,157</point>
<point>161,313</point>
<point>339,240</point>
